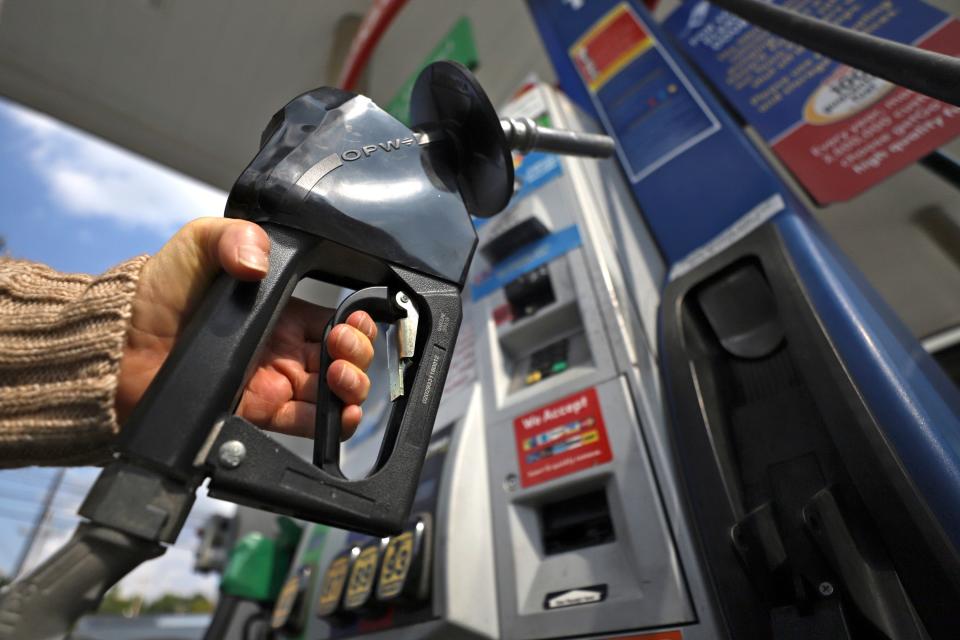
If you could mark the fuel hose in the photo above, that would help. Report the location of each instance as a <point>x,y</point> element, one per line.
<point>927,72</point>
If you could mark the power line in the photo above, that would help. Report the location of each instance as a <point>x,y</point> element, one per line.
<point>46,515</point>
<point>37,500</point>
<point>24,483</point>
<point>69,487</point>
<point>62,501</point>
<point>30,519</point>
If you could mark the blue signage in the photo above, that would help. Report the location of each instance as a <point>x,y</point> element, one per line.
<point>675,143</point>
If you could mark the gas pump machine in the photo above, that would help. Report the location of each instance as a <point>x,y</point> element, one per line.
<point>691,419</point>
<point>538,513</point>
<point>673,411</point>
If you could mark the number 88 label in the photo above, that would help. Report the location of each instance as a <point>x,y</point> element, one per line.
<point>360,585</point>
<point>396,565</point>
<point>332,587</point>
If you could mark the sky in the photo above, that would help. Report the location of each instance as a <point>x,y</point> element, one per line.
<point>80,204</point>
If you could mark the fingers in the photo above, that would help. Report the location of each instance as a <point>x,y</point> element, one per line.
<point>361,320</point>
<point>293,417</point>
<point>174,279</point>
<point>297,419</point>
<point>358,320</point>
<point>243,249</point>
<point>350,420</point>
<point>309,318</point>
<point>347,381</point>
<point>350,344</point>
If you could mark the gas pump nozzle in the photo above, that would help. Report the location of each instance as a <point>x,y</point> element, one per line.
<point>350,196</point>
<point>523,134</point>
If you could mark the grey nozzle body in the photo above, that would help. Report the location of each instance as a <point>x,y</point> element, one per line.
<point>523,134</point>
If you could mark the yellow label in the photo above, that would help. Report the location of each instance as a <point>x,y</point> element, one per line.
<point>285,601</point>
<point>396,564</point>
<point>332,587</point>
<point>361,578</point>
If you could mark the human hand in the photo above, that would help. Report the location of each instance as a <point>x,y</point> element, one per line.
<point>282,392</point>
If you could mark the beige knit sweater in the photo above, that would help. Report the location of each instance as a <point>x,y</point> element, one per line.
<point>61,339</point>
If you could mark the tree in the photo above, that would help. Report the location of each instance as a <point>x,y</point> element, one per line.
<point>115,604</point>
<point>172,603</point>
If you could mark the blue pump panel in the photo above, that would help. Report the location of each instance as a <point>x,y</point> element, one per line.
<point>698,180</point>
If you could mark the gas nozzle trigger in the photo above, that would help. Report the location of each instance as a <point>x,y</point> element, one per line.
<point>404,348</point>
<point>386,306</point>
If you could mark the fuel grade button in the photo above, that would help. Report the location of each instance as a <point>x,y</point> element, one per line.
<point>288,610</point>
<point>403,573</point>
<point>396,566</point>
<point>363,575</point>
<point>331,589</point>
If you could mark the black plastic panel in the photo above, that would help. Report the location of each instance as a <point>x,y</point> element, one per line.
<point>807,521</point>
<point>576,523</point>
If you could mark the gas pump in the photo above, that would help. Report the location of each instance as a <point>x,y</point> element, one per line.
<point>547,505</point>
<point>813,442</point>
<point>674,410</point>
<point>685,435</point>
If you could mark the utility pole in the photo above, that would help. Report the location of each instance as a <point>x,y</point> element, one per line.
<point>43,519</point>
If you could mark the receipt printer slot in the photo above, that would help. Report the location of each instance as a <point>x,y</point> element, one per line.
<point>507,243</point>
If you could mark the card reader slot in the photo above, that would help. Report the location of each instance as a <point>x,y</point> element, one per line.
<point>576,522</point>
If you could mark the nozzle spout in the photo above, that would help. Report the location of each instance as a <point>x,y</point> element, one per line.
<point>523,134</point>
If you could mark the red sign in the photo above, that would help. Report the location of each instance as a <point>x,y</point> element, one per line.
<point>844,145</point>
<point>609,45</point>
<point>561,438</point>
<point>659,635</point>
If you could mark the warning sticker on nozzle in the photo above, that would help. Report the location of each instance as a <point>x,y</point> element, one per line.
<point>561,438</point>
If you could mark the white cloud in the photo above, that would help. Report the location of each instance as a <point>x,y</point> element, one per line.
<point>89,177</point>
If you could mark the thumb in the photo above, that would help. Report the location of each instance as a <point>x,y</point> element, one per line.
<point>173,280</point>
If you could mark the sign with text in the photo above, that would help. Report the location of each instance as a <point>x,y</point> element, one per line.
<point>561,438</point>
<point>457,45</point>
<point>839,130</point>
<point>642,101</point>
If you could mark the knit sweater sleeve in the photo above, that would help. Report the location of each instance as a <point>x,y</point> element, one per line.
<point>61,340</point>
